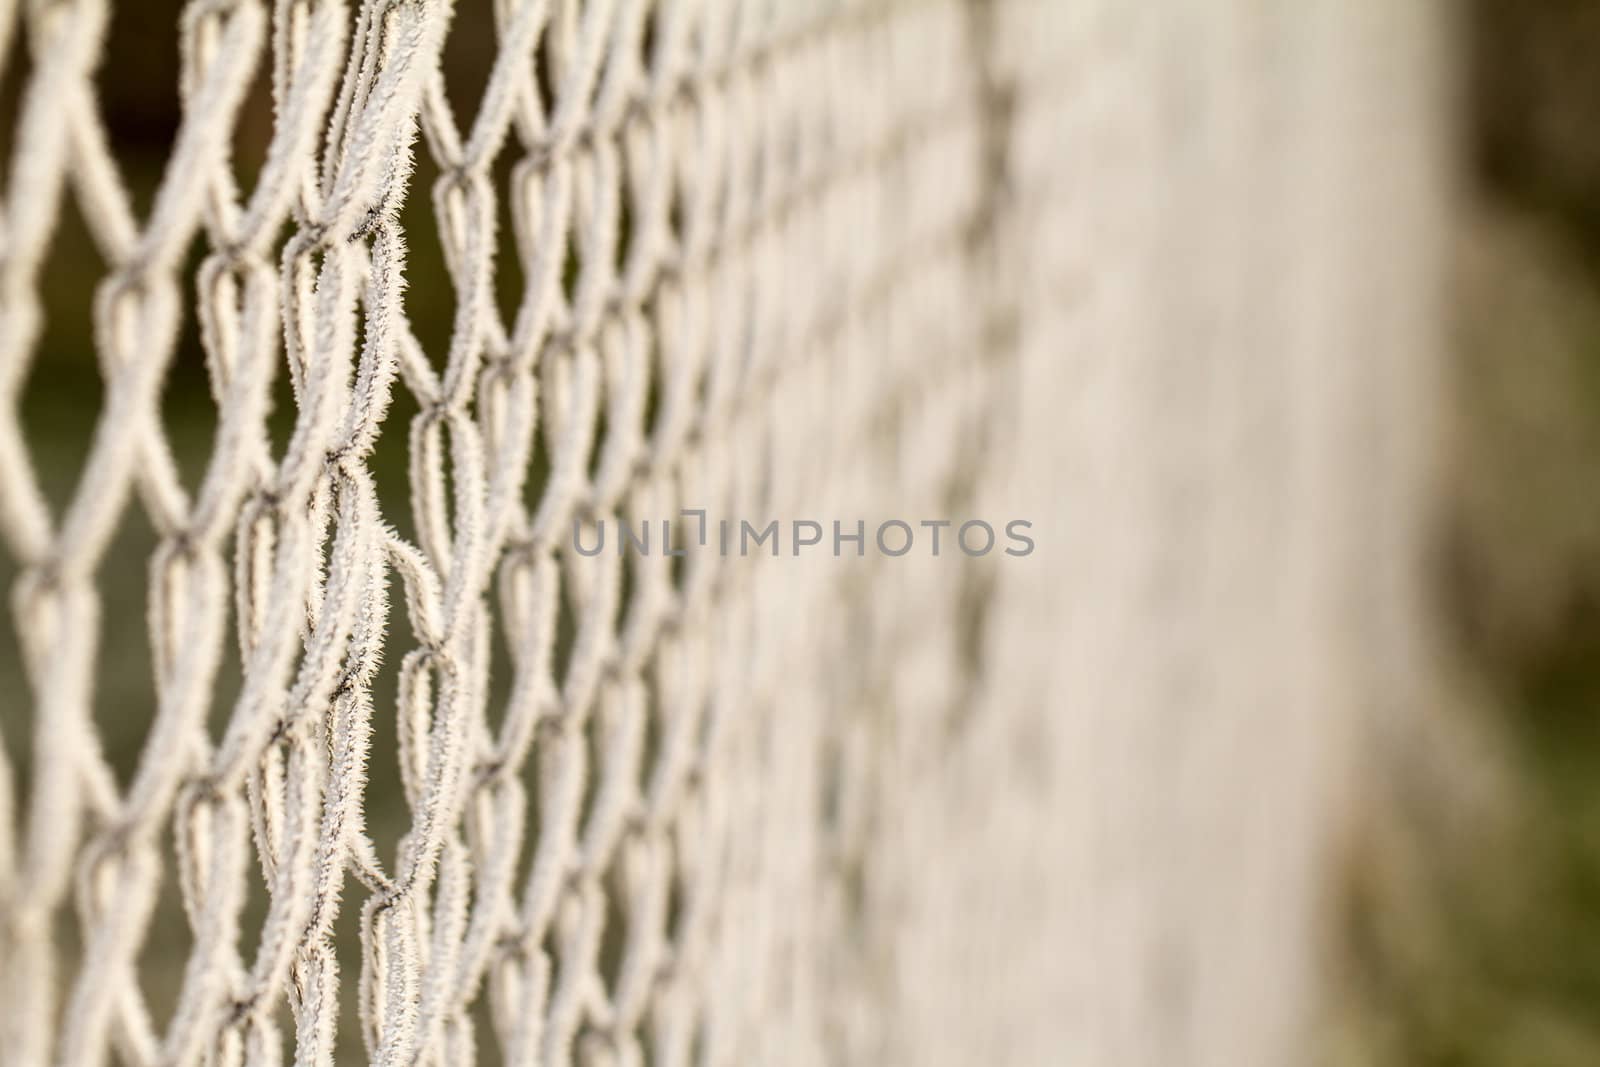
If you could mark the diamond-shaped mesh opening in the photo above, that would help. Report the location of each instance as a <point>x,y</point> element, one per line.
<point>141,117</point>
<point>387,818</point>
<point>430,296</point>
<point>252,129</point>
<point>160,968</point>
<point>509,271</point>
<point>124,699</point>
<point>63,391</point>
<point>188,409</point>
<point>469,56</point>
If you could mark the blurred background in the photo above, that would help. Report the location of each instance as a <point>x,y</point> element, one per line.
<point>1468,929</point>
<point>1471,920</point>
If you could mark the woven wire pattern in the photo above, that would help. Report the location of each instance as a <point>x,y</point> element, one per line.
<point>765,259</point>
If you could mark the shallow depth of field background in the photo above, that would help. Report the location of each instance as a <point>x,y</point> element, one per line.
<point>1469,914</point>
<point>1471,930</point>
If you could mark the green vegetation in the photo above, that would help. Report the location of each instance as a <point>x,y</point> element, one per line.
<point>1473,934</point>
